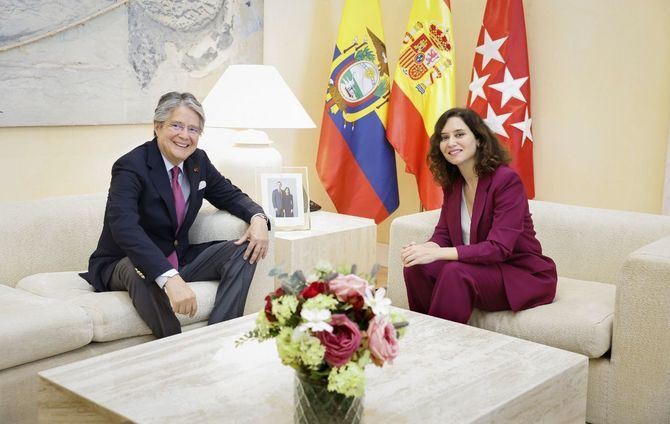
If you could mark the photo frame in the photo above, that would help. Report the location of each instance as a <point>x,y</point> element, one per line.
<point>284,198</point>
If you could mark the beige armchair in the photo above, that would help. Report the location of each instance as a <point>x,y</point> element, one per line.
<point>612,302</point>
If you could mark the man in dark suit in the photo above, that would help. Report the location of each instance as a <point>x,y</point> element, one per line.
<point>154,197</point>
<point>277,195</point>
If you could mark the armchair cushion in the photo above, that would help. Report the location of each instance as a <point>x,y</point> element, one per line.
<point>35,327</point>
<point>112,313</point>
<point>579,319</point>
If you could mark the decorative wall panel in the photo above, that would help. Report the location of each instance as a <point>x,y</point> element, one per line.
<point>87,62</point>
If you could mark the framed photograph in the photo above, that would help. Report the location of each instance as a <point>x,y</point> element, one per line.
<point>284,197</point>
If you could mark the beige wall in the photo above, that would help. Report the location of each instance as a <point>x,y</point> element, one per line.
<point>53,161</point>
<point>600,75</point>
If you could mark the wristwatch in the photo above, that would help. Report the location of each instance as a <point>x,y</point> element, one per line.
<point>262,215</point>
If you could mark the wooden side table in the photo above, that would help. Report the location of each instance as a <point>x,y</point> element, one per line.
<point>336,238</point>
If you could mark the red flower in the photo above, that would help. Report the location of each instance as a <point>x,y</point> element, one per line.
<point>313,289</point>
<point>268,303</point>
<point>342,342</point>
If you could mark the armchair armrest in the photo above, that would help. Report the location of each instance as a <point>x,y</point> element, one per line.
<point>214,224</point>
<point>641,337</point>
<point>417,227</point>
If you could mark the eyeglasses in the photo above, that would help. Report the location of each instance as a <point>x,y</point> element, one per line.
<point>178,127</point>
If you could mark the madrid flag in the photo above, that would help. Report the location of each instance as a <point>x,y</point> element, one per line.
<point>500,84</point>
<point>423,89</point>
<point>355,161</point>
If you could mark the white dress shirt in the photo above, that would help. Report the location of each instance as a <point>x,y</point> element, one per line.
<point>466,220</point>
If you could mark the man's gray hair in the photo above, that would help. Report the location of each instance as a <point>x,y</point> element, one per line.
<point>172,100</point>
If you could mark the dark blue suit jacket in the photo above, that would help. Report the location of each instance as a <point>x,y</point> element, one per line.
<point>140,218</point>
<point>276,198</point>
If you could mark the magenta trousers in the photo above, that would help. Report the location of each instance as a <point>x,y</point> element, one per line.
<point>451,289</point>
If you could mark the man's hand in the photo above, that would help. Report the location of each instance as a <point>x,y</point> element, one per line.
<point>257,235</point>
<point>182,298</point>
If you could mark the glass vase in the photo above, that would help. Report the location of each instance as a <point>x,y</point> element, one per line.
<point>314,404</point>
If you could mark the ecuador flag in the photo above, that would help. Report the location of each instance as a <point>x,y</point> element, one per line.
<point>423,89</point>
<point>355,161</point>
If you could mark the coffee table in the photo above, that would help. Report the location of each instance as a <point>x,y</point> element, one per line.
<point>446,372</point>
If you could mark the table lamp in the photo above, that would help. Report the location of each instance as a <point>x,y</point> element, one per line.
<point>249,98</point>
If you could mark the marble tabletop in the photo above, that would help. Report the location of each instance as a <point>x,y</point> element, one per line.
<point>445,372</point>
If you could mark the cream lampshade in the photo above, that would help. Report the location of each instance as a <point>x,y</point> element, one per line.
<point>250,98</point>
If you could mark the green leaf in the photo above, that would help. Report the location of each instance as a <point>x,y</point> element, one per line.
<point>299,276</point>
<point>275,271</point>
<point>401,324</point>
<point>293,285</point>
<point>252,334</point>
<point>330,276</point>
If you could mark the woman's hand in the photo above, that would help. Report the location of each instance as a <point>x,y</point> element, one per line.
<point>415,254</point>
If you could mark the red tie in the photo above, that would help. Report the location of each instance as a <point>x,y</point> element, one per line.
<point>180,207</point>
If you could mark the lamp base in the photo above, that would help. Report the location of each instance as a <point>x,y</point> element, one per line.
<point>240,155</point>
<point>241,162</point>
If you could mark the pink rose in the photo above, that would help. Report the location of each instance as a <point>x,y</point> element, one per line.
<point>381,340</point>
<point>342,342</point>
<point>349,288</point>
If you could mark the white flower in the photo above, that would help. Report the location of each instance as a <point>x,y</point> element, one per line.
<point>312,278</point>
<point>316,320</point>
<point>379,304</point>
<point>324,267</point>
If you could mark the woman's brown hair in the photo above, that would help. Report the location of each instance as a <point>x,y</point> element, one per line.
<point>490,153</point>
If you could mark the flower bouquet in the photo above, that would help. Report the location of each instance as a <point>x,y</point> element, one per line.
<point>329,327</point>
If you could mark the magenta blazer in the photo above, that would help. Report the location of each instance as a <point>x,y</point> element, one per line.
<point>501,234</point>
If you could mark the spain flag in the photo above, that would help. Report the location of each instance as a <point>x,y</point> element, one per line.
<point>355,161</point>
<point>423,89</point>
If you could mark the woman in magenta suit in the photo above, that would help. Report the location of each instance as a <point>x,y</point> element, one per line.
<point>483,253</point>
